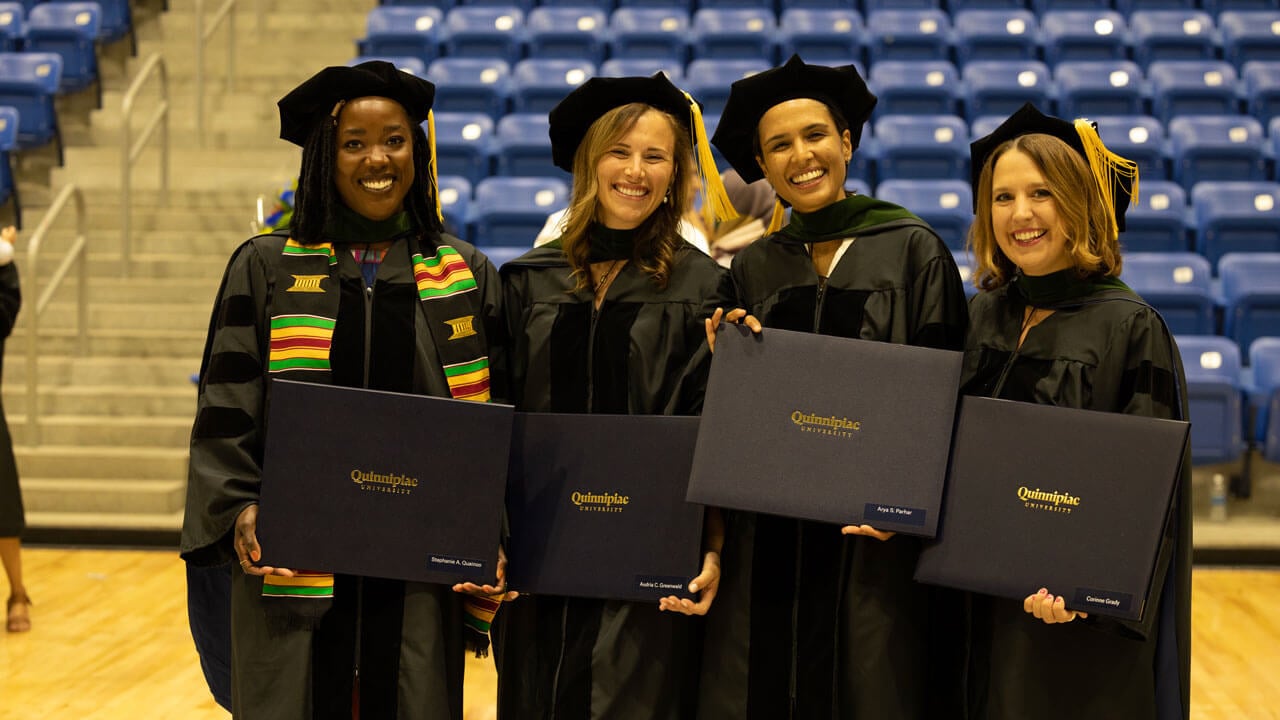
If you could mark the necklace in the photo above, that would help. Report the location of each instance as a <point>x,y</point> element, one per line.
<point>608,275</point>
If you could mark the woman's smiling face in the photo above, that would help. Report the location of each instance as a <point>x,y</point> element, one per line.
<point>635,173</point>
<point>803,154</point>
<point>374,168</point>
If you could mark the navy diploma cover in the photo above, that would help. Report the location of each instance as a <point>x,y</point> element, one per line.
<point>383,484</point>
<point>1076,501</point>
<point>826,428</point>
<point>596,506</point>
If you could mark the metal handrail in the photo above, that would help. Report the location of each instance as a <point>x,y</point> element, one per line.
<point>78,252</point>
<point>130,152</point>
<point>225,12</point>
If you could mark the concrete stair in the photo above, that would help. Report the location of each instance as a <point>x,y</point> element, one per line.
<point>110,450</point>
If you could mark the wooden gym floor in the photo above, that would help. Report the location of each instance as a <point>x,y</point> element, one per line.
<point>110,642</point>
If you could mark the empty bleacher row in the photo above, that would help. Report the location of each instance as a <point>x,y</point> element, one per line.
<point>48,49</point>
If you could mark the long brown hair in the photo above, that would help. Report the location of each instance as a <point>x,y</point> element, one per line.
<point>659,235</point>
<point>1091,240</point>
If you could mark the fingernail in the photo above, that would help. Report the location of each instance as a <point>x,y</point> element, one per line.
<point>693,587</point>
<point>1050,596</point>
<point>1043,591</point>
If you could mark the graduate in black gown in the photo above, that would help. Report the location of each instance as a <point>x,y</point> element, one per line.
<point>816,622</point>
<point>609,319</point>
<point>359,293</point>
<point>1054,325</point>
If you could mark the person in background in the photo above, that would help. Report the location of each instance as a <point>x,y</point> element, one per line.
<point>354,295</point>
<point>1054,324</point>
<point>816,621</point>
<point>755,201</point>
<point>608,318</point>
<point>12,518</point>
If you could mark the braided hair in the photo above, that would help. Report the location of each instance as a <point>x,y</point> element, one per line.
<point>316,196</point>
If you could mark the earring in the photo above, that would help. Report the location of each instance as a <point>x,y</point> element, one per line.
<point>666,197</point>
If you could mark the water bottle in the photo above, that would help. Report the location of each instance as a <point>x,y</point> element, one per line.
<point>1218,498</point>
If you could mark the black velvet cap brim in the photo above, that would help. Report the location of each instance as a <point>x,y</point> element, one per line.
<point>1028,120</point>
<point>841,88</point>
<point>574,115</point>
<point>313,100</point>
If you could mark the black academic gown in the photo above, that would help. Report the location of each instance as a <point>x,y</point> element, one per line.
<point>1113,354</point>
<point>810,624</point>
<point>643,352</point>
<point>411,636</point>
<point>12,520</point>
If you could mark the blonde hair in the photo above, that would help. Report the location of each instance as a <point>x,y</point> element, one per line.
<point>658,238</point>
<point>1088,220</point>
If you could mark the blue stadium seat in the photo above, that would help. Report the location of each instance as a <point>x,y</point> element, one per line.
<point>1264,360</point>
<point>709,80</point>
<point>471,84</point>
<point>464,144</point>
<point>1216,147</point>
<point>1068,35</point>
<point>523,6</point>
<point>523,147</point>
<point>511,210</point>
<point>734,34</point>
<point>1262,88</point>
<point>1178,284</point>
<point>966,268</point>
<point>870,6</point>
<point>659,33</point>
<point>455,205</point>
<point>1215,397</point>
<point>1000,87</point>
<point>921,87</point>
<point>1158,222</point>
<point>8,143</point>
<point>1128,7</point>
<point>1140,138</point>
<point>957,6</point>
<point>1172,35</point>
<point>908,35</point>
<point>947,205</point>
<point>1250,295</point>
<point>71,30</point>
<point>995,35</point>
<point>404,63</point>
<point>1216,7</point>
<point>403,32</point>
<point>1190,87</point>
<point>115,22</point>
<point>538,85</point>
<point>500,256</point>
<point>785,5</point>
<point>13,28</point>
<point>921,147</point>
<point>441,4</point>
<point>857,186</point>
<point>644,67</point>
<point>1236,217</point>
<point>1083,35</point>
<point>683,4</point>
<point>485,32</point>
<point>576,33</point>
<point>1088,88</point>
<point>1273,137</point>
<point>984,125</point>
<point>1250,36</point>
<point>29,82</point>
<point>1040,7</point>
<point>820,36</point>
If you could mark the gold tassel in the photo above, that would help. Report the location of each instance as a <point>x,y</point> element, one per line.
<point>1105,166</point>
<point>717,198</point>
<point>779,216</point>
<point>431,163</point>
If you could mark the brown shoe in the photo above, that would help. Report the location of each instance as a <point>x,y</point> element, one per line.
<point>19,613</point>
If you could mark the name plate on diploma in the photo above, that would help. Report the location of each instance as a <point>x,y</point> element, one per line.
<point>596,506</point>
<point>1093,487</point>
<point>825,428</point>
<point>383,484</point>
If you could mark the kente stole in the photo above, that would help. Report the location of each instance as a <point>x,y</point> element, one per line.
<point>304,312</point>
